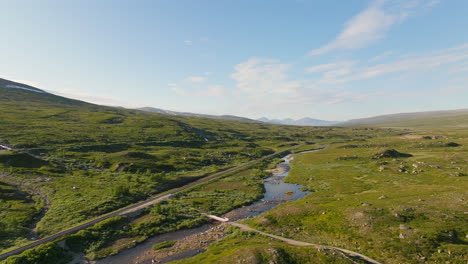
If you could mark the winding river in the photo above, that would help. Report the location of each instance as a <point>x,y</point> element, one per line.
<point>276,192</point>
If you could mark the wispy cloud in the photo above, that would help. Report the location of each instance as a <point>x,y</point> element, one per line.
<point>371,24</point>
<point>215,91</point>
<point>210,90</point>
<point>198,86</point>
<point>259,76</point>
<point>413,64</point>
<point>330,66</point>
<point>332,83</point>
<point>459,68</point>
<point>196,79</point>
<point>180,91</point>
<point>381,56</point>
<point>188,42</point>
<point>433,92</point>
<point>433,3</point>
<point>321,67</point>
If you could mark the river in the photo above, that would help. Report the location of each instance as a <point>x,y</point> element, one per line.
<point>276,192</point>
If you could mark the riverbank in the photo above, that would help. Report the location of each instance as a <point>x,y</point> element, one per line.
<point>194,241</point>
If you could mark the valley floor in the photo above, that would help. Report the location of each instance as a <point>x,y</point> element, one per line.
<point>392,207</point>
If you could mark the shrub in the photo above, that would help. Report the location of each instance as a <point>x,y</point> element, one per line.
<point>46,253</point>
<point>452,144</point>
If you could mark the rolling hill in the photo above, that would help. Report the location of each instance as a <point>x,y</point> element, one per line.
<point>447,118</point>
<point>23,94</point>
<point>86,156</point>
<point>90,160</point>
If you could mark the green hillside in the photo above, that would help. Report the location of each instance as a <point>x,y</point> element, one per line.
<point>90,159</point>
<point>401,206</point>
<point>395,208</point>
<point>431,119</point>
<point>456,121</point>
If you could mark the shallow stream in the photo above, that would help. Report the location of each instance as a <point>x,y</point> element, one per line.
<point>276,192</point>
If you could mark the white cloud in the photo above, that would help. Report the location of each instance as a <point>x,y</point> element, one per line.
<point>215,90</point>
<point>329,66</point>
<point>275,82</point>
<point>452,89</point>
<point>371,24</point>
<point>433,3</point>
<point>196,79</point>
<point>195,88</point>
<point>431,93</point>
<point>180,91</point>
<point>363,29</point>
<point>188,42</point>
<point>459,68</point>
<point>321,67</point>
<point>409,65</point>
<point>381,56</point>
<point>258,76</point>
<point>211,90</point>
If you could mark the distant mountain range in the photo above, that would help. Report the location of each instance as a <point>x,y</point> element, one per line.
<point>14,91</point>
<point>306,121</point>
<point>169,112</point>
<point>288,121</point>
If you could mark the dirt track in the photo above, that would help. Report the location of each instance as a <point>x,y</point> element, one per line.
<point>305,244</point>
<point>132,208</point>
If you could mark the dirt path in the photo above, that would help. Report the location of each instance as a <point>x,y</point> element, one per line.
<point>305,244</point>
<point>135,207</point>
<point>21,185</point>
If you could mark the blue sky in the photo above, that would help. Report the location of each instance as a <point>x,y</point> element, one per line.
<point>330,59</point>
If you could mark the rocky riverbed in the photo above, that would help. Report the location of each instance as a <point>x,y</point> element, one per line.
<point>196,240</point>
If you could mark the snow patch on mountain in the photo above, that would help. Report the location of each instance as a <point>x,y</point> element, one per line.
<point>12,86</point>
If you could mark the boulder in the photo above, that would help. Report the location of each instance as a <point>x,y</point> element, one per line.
<point>391,153</point>
<point>404,227</point>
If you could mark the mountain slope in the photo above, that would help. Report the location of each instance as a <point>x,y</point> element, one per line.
<point>100,158</point>
<point>447,118</point>
<point>24,94</point>
<point>14,85</point>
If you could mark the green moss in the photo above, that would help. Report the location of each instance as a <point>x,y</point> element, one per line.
<point>165,244</point>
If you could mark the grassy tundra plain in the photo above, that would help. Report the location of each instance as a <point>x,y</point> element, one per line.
<point>89,160</point>
<point>393,208</point>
